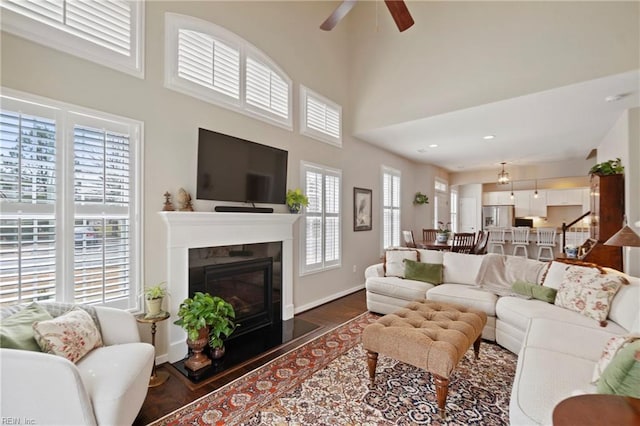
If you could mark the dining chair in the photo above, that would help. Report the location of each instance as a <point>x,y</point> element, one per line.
<point>496,239</point>
<point>408,239</point>
<point>481,242</point>
<point>520,239</point>
<point>429,234</point>
<point>545,240</point>
<point>463,242</point>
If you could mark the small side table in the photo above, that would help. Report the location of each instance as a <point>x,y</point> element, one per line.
<point>157,378</point>
<point>596,410</point>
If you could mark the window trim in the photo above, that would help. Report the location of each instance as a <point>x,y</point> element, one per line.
<point>175,22</point>
<point>65,39</point>
<point>65,203</point>
<point>303,269</point>
<point>306,93</point>
<point>393,172</point>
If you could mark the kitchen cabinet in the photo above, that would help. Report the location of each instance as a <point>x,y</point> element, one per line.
<point>565,197</point>
<point>497,198</point>
<point>527,205</point>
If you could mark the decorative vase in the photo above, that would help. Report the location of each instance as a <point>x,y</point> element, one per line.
<point>572,252</point>
<point>198,360</point>
<point>295,209</point>
<point>442,237</point>
<point>154,306</point>
<point>217,353</point>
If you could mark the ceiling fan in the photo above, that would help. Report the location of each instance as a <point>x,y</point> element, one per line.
<point>397,8</point>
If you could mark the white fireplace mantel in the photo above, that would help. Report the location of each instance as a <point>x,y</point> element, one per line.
<point>186,230</point>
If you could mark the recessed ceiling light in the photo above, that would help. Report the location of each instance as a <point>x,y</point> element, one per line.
<point>488,137</point>
<point>433,145</point>
<point>422,150</point>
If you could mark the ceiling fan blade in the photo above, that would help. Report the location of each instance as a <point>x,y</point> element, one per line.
<point>337,15</point>
<point>400,14</point>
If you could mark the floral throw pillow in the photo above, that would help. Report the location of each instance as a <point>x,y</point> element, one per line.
<point>71,335</point>
<point>610,350</point>
<point>588,292</point>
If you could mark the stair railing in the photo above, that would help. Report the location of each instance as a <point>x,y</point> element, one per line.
<point>566,226</point>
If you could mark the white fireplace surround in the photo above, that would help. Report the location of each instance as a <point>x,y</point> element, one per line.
<point>186,230</point>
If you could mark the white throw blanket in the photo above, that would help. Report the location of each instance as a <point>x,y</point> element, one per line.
<point>498,273</point>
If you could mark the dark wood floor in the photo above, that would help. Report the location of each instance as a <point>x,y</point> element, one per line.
<point>175,392</point>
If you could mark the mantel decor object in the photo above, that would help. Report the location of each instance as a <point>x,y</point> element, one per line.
<point>168,205</point>
<point>296,200</point>
<point>184,198</point>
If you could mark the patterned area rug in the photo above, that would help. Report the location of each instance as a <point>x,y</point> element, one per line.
<point>325,381</point>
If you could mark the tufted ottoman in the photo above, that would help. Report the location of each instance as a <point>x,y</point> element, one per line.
<point>429,335</point>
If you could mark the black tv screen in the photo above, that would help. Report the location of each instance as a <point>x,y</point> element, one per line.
<point>234,169</point>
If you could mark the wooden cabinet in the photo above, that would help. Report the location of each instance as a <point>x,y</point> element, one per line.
<point>607,215</point>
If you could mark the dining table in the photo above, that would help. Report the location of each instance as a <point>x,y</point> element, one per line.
<point>434,245</point>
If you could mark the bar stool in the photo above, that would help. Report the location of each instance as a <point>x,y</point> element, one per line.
<point>496,239</point>
<point>546,240</point>
<point>520,239</point>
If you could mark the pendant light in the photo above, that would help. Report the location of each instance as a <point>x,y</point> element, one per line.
<point>503,177</point>
<point>535,193</point>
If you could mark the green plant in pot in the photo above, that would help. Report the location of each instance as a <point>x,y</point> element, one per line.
<point>153,296</point>
<point>606,168</point>
<point>420,199</point>
<point>296,200</point>
<point>206,319</point>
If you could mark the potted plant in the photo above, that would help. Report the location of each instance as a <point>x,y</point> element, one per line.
<point>611,167</point>
<point>443,232</point>
<point>199,316</point>
<point>153,296</point>
<point>420,199</point>
<point>296,200</point>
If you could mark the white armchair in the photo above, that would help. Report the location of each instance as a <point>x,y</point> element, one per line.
<point>105,387</point>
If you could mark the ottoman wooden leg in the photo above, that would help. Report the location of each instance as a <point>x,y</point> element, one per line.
<point>476,346</point>
<point>442,389</point>
<point>372,361</point>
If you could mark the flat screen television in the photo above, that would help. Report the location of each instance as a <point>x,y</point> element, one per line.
<point>234,169</point>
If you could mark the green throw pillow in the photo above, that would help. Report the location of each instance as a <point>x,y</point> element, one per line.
<point>546,294</point>
<point>622,375</point>
<point>16,331</point>
<point>427,272</point>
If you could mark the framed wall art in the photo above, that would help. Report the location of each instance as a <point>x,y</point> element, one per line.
<point>362,209</point>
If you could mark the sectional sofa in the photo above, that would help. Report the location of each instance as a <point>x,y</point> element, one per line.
<point>557,348</point>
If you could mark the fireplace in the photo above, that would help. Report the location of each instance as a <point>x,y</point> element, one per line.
<point>247,276</point>
<point>210,230</point>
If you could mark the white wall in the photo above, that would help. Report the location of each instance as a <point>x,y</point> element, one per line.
<point>623,141</point>
<point>288,33</point>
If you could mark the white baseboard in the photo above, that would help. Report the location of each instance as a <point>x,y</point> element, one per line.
<point>161,359</point>
<point>327,299</point>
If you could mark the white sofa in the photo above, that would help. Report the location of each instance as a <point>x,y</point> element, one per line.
<point>105,387</point>
<point>557,348</point>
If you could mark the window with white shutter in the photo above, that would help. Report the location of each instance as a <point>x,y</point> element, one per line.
<point>320,119</point>
<point>210,63</point>
<point>321,230</point>
<point>390,207</point>
<point>109,32</point>
<point>83,247</point>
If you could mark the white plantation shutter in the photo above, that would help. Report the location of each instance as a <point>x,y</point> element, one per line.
<point>321,236</point>
<point>79,27</point>
<point>321,119</point>
<point>102,178</point>
<point>210,63</point>
<point>390,207</point>
<point>266,90</point>
<point>100,213</point>
<point>28,191</point>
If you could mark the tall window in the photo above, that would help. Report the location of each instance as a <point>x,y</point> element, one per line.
<point>454,210</point>
<point>68,230</point>
<point>441,212</point>
<point>321,232</point>
<point>109,32</point>
<point>390,207</point>
<point>320,118</point>
<point>213,64</point>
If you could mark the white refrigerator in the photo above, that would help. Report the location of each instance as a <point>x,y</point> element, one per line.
<point>500,216</point>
